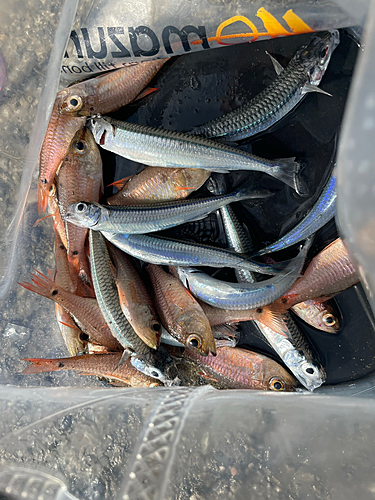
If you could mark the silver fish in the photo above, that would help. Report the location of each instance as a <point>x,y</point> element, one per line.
<point>163,251</point>
<point>291,346</point>
<point>165,148</point>
<point>140,219</point>
<point>238,296</point>
<point>302,75</point>
<point>153,363</point>
<point>322,212</point>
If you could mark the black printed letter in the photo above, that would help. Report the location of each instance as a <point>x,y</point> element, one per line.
<point>183,34</point>
<point>112,35</point>
<point>103,47</point>
<point>135,32</point>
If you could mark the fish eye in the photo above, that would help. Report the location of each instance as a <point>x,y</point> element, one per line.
<point>277,385</point>
<point>156,327</point>
<point>81,207</point>
<point>74,103</point>
<point>329,319</point>
<point>323,53</point>
<point>193,341</point>
<point>80,147</point>
<point>154,374</point>
<point>309,370</point>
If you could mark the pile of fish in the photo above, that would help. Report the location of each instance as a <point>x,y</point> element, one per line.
<point>135,306</point>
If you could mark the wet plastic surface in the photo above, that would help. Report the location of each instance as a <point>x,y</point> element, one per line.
<point>196,88</point>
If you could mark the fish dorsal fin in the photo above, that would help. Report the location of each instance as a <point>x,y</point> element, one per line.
<point>278,68</point>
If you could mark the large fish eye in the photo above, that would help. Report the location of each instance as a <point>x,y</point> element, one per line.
<point>80,147</point>
<point>276,384</point>
<point>156,327</point>
<point>309,370</point>
<point>81,207</point>
<point>74,103</point>
<point>329,320</point>
<point>194,341</point>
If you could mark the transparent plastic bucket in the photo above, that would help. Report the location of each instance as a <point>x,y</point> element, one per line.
<point>87,442</point>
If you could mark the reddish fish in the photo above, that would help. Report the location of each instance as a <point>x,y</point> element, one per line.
<point>318,314</point>
<point>329,273</point>
<point>102,365</point>
<point>102,94</point>
<point>242,369</point>
<point>60,132</point>
<point>80,178</point>
<point>135,300</point>
<point>85,310</point>
<point>180,313</point>
<point>157,184</point>
<point>108,92</point>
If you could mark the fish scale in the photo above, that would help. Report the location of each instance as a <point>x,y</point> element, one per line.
<point>330,272</point>
<point>279,98</point>
<point>108,298</point>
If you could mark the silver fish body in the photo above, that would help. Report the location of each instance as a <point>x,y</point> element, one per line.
<point>322,212</point>
<point>239,296</point>
<point>145,359</point>
<point>140,219</point>
<point>302,75</point>
<point>163,251</point>
<point>292,347</point>
<point>165,148</point>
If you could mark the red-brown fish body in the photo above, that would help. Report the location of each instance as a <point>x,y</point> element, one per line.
<point>180,313</point>
<point>75,340</point>
<point>318,314</point>
<point>135,300</point>
<point>329,273</point>
<point>103,365</point>
<point>242,369</point>
<point>110,91</point>
<point>80,179</point>
<point>60,132</point>
<point>158,184</point>
<point>85,310</point>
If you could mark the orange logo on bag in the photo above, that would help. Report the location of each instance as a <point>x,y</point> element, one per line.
<point>272,26</point>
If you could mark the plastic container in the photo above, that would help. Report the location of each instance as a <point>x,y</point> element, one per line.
<point>183,443</point>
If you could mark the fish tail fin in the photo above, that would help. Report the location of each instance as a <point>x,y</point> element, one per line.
<point>42,285</point>
<point>272,317</point>
<point>147,91</point>
<point>246,192</point>
<point>40,365</point>
<point>287,170</point>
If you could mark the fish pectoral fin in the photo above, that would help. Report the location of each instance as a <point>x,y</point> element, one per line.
<point>125,356</point>
<point>204,375</point>
<point>313,88</point>
<point>278,68</point>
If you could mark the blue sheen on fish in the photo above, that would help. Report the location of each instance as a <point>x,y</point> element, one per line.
<point>163,251</point>
<point>238,296</point>
<point>140,219</point>
<point>322,212</point>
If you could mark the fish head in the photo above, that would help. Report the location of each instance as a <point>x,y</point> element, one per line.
<point>197,333</point>
<point>71,101</point>
<point>308,371</point>
<point>158,365</point>
<point>276,378</point>
<point>319,315</point>
<point>83,214</point>
<point>101,129</point>
<point>316,55</point>
<point>84,150</point>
